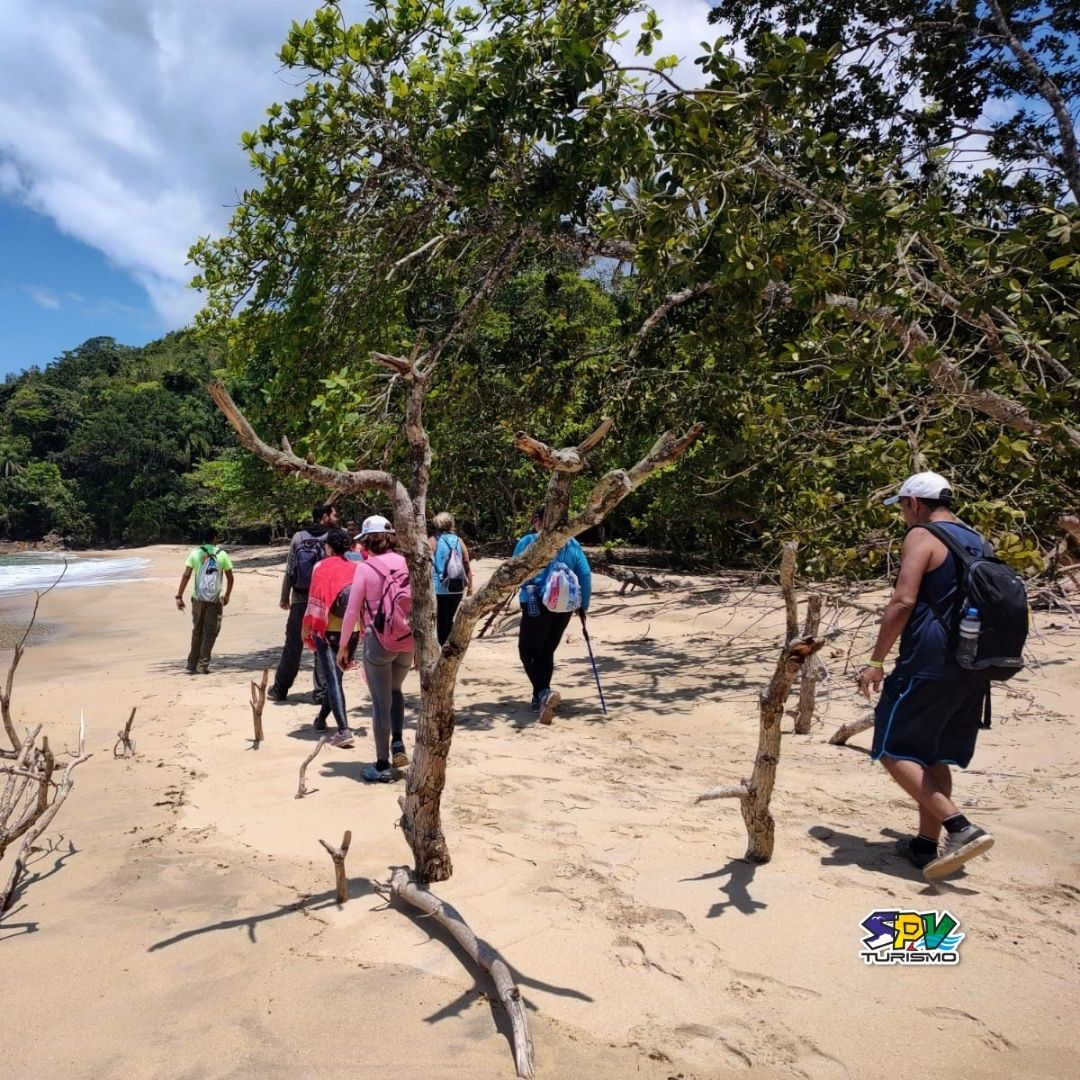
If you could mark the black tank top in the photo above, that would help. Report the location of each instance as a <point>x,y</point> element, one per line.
<point>926,644</point>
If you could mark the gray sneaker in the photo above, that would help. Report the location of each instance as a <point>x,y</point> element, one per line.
<point>549,702</point>
<point>958,848</point>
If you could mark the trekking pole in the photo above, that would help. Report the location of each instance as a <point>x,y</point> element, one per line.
<point>592,660</point>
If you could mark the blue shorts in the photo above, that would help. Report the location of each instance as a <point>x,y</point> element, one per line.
<point>931,721</point>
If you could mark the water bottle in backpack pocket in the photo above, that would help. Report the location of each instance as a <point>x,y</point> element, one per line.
<point>967,645</point>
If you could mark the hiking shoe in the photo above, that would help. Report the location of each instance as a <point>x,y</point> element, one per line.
<point>549,702</point>
<point>376,775</point>
<point>398,758</point>
<point>274,694</point>
<point>957,849</point>
<point>905,848</point>
<point>342,739</point>
<point>535,703</point>
<point>319,723</point>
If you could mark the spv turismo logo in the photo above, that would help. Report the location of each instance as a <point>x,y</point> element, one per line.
<point>911,937</point>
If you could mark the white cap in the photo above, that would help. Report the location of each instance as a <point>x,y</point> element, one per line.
<point>375,524</point>
<point>923,485</point>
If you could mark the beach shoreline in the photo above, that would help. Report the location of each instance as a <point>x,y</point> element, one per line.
<point>186,889</point>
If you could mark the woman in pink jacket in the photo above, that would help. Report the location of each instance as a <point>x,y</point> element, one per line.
<point>379,601</point>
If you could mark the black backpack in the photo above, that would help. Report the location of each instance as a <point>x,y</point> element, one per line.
<point>997,591</point>
<point>308,552</point>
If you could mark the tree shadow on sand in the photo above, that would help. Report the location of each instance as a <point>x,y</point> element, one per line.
<point>740,873</point>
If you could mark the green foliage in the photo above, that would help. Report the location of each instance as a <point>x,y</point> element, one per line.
<point>107,433</point>
<point>37,500</point>
<point>834,314</point>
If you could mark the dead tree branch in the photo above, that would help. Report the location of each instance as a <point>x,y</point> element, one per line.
<point>303,789</point>
<point>124,744</point>
<point>754,794</point>
<point>44,819</point>
<point>341,882</point>
<point>851,728</point>
<point>258,703</point>
<point>403,886</point>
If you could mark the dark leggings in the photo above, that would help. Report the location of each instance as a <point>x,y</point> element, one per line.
<point>326,649</point>
<point>447,604</point>
<point>538,638</point>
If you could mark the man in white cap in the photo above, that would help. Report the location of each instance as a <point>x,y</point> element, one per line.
<point>930,709</point>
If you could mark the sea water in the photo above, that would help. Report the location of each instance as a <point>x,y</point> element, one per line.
<point>33,571</point>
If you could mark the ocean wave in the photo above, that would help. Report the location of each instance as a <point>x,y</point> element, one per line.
<point>31,571</point>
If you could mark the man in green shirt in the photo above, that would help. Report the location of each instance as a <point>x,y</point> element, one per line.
<point>209,564</point>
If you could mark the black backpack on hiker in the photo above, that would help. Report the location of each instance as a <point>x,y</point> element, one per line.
<point>997,592</point>
<point>308,552</point>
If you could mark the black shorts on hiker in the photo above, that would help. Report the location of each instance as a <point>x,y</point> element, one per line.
<point>931,721</point>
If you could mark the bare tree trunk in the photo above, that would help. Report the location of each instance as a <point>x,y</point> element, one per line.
<point>787,590</point>
<point>341,882</point>
<point>811,671</point>
<point>754,794</point>
<point>258,703</point>
<point>404,887</point>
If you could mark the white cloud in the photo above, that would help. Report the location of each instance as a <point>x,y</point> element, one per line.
<point>121,119</point>
<point>44,298</point>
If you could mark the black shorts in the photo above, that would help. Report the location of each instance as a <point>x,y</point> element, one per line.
<point>931,721</point>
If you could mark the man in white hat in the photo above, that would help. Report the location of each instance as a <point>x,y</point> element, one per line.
<point>930,709</point>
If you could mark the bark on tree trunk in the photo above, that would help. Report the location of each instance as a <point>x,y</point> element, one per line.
<point>811,672</point>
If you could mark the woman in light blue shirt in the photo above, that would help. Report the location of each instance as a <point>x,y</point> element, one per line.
<point>452,570</point>
<point>541,630</point>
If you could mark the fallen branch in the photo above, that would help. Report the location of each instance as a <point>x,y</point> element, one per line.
<point>852,727</point>
<point>303,790</point>
<point>123,739</point>
<point>338,855</point>
<point>403,886</point>
<point>258,702</point>
<point>629,578</point>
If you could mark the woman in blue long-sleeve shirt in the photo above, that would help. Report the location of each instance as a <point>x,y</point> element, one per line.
<point>540,633</point>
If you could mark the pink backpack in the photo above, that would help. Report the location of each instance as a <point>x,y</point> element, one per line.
<point>390,619</point>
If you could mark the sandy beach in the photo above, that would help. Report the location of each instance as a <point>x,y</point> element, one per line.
<point>183,921</point>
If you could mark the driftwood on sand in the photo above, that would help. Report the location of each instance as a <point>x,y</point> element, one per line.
<point>303,789</point>
<point>124,746</point>
<point>258,703</point>
<point>403,885</point>
<point>851,728</point>
<point>338,854</point>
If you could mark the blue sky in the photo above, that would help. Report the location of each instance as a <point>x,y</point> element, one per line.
<point>56,292</point>
<point>120,125</point>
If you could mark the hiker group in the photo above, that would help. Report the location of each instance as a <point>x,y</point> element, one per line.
<point>347,591</point>
<point>959,613</point>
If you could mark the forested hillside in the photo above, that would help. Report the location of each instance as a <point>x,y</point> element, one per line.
<point>100,444</point>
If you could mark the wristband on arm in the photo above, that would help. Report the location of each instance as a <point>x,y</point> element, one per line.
<point>875,664</point>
